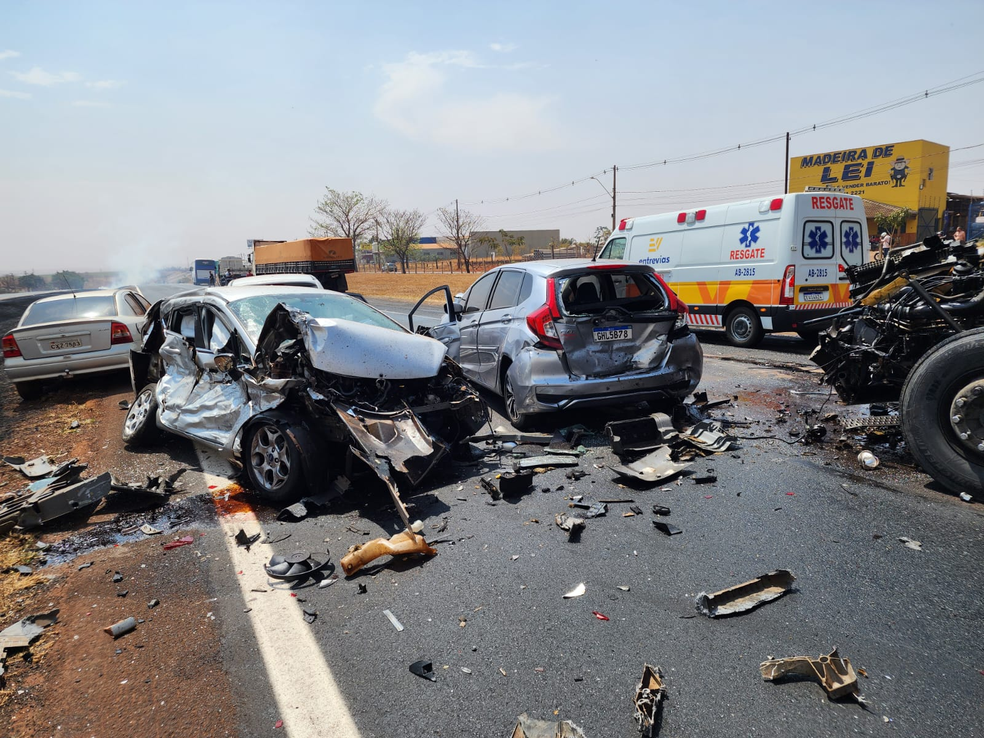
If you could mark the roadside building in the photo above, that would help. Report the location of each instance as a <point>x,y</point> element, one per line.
<point>483,243</point>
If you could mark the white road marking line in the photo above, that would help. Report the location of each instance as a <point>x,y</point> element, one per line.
<point>310,703</point>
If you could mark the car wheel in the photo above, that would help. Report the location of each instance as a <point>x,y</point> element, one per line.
<point>520,421</point>
<point>140,425</point>
<point>943,412</point>
<point>273,462</point>
<point>744,328</point>
<point>29,390</point>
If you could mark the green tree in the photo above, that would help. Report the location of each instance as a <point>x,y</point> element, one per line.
<point>893,223</point>
<point>400,230</point>
<point>31,282</point>
<point>66,280</point>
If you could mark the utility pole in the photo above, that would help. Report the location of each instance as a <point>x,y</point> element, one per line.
<point>785,165</point>
<point>614,174</point>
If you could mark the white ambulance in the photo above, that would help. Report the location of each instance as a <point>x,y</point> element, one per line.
<point>753,266</point>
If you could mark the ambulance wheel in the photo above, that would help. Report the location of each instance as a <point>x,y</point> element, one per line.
<point>743,328</point>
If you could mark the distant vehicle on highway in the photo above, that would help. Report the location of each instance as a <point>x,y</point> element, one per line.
<point>552,335</point>
<point>201,271</point>
<point>278,280</point>
<point>74,333</point>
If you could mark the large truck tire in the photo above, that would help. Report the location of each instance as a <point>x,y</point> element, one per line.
<point>942,409</point>
<point>743,327</point>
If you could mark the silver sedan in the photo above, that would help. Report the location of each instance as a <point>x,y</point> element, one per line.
<point>77,333</point>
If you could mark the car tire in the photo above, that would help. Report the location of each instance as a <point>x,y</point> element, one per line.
<point>951,370</point>
<point>520,421</point>
<point>140,425</point>
<point>273,462</point>
<point>29,390</point>
<point>743,328</point>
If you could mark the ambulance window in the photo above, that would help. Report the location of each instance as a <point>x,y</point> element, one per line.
<point>818,239</point>
<point>850,231</point>
<point>614,249</point>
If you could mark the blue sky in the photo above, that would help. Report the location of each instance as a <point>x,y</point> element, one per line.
<point>137,134</point>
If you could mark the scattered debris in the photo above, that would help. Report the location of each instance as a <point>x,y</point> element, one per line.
<point>153,603</point>
<point>328,582</point>
<point>423,669</point>
<point>53,497</point>
<point>490,487</point>
<point>545,462</point>
<point>639,434</point>
<point>649,700</point>
<point>159,487</point>
<point>124,404</point>
<point>123,593</point>
<point>869,460</point>
<point>708,437</point>
<point>309,615</point>
<point>909,543</point>
<point>392,619</point>
<point>670,530</point>
<point>709,479</point>
<point>86,565</point>
<point>746,596</point>
<point>573,525</point>
<point>834,673</point>
<point>185,541</point>
<point>117,577</point>
<point>966,497</point>
<point>33,469</point>
<point>121,628</point>
<point>527,727</point>
<point>660,510</point>
<point>654,467</point>
<point>599,615</point>
<point>246,541</point>
<point>513,484</point>
<point>294,567</point>
<point>623,587</point>
<point>591,509</point>
<point>576,592</point>
<point>22,633</point>
<point>401,544</point>
<point>149,530</point>
<point>23,570</point>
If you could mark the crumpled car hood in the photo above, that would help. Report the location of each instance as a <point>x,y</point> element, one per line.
<point>351,349</point>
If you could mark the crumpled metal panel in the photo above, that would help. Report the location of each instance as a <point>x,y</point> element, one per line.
<point>351,349</point>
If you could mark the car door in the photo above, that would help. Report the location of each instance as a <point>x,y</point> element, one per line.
<point>496,322</point>
<point>476,300</point>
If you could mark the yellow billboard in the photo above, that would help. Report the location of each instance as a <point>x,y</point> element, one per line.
<point>911,174</point>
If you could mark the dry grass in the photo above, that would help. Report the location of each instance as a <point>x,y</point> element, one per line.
<point>16,550</point>
<point>406,286</point>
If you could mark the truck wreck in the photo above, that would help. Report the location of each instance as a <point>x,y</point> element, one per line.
<point>915,334</point>
<point>289,394</point>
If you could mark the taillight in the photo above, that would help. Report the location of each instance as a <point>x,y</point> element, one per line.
<point>541,320</point>
<point>10,348</point>
<point>788,289</point>
<point>119,333</point>
<point>682,309</point>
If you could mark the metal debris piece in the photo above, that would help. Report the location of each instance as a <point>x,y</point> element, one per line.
<point>392,618</point>
<point>153,603</point>
<point>869,460</point>
<point>634,435</point>
<point>121,628</point>
<point>123,593</point>
<point>50,501</point>
<point>117,577</point>
<point>246,541</point>
<point>576,474</point>
<point>653,467</point>
<point>527,727</point>
<point>573,525</point>
<point>184,541</point>
<point>592,510</point>
<point>623,587</point>
<point>747,595</point>
<point>504,435</point>
<point>835,674</point>
<point>667,528</point>
<point>708,436</point>
<point>328,582</point>
<point>160,487</point>
<point>86,565</point>
<point>649,700</point>
<point>23,570</point>
<point>33,469</point>
<point>909,543</point>
<point>545,462</point>
<point>403,543</point>
<point>576,592</point>
<point>309,615</point>
<point>423,669</point>
<point>884,423</point>
<point>149,530</point>
<point>490,487</point>
<point>22,633</point>
<point>293,513</point>
<point>513,484</point>
<point>294,567</point>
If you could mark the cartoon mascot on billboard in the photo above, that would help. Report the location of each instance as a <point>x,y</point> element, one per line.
<point>899,171</point>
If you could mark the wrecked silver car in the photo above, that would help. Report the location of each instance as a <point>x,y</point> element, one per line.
<point>289,381</point>
<point>552,335</point>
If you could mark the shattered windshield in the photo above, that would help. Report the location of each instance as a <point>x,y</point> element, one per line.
<point>596,291</point>
<point>253,311</point>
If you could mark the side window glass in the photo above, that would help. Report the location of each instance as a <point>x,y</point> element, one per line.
<point>615,249</point>
<point>850,233</point>
<point>186,325</point>
<point>219,335</point>
<point>818,239</point>
<point>478,295</point>
<point>527,288</point>
<point>133,305</point>
<point>506,294</point>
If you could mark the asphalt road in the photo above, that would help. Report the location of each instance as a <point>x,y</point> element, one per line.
<point>492,601</point>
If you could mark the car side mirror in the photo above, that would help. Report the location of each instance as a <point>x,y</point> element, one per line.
<point>224,362</point>
<point>459,307</point>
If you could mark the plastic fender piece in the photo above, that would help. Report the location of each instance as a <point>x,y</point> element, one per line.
<point>835,674</point>
<point>745,596</point>
<point>401,544</point>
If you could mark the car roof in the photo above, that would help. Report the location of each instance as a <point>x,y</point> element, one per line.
<point>229,294</point>
<point>277,280</point>
<point>547,267</point>
<point>84,293</point>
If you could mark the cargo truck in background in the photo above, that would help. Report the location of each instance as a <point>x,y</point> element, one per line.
<point>326,259</point>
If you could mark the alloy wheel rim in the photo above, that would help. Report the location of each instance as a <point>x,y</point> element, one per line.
<point>270,457</point>
<point>138,412</point>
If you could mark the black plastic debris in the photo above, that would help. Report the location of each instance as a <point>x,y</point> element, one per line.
<point>309,615</point>
<point>293,513</point>
<point>123,593</point>
<point>294,567</point>
<point>576,474</point>
<point>660,510</point>
<point>246,541</point>
<point>153,603</point>
<point>591,509</point>
<point>634,435</point>
<point>636,509</point>
<point>708,437</point>
<point>709,479</point>
<point>363,589</point>
<point>423,669</point>
<point>513,484</point>
<point>490,487</point>
<point>667,528</point>
<point>117,577</point>
<point>160,488</point>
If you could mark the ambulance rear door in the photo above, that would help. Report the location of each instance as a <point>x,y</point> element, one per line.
<point>829,235</point>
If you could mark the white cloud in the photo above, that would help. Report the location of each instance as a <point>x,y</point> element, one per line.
<point>420,100</point>
<point>90,104</point>
<point>8,54</point>
<point>17,95</point>
<point>37,76</point>
<point>105,84</point>
<point>503,48</point>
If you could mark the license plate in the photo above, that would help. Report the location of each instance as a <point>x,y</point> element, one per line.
<point>62,345</point>
<point>618,333</point>
<point>813,296</point>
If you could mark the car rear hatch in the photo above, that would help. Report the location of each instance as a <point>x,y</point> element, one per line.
<point>614,319</point>
<point>71,337</point>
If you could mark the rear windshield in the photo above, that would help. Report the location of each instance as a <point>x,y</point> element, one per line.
<point>253,311</point>
<point>69,308</point>
<point>594,292</point>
